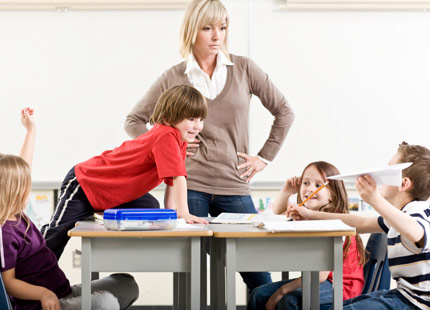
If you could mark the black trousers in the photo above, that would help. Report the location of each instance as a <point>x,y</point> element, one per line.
<point>73,206</point>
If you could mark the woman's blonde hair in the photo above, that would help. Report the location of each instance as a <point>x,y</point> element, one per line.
<point>178,103</point>
<point>201,13</point>
<point>15,185</point>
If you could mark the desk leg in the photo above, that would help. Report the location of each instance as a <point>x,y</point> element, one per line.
<point>179,291</point>
<point>86,273</point>
<point>306,288</point>
<point>230,280</point>
<point>203,274</point>
<point>182,290</point>
<point>217,271</point>
<point>194,286</point>
<point>175,291</point>
<point>338,274</point>
<point>315,290</point>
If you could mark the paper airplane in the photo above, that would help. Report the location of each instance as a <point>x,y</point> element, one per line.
<point>390,175</point>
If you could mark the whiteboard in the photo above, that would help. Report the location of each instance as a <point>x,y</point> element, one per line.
<point>358,81</point>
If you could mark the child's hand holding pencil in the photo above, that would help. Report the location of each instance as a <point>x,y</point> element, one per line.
<point>298,213</point>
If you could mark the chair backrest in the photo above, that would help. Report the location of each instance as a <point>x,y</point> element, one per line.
<point>377,275</point>
<point>4,297</point>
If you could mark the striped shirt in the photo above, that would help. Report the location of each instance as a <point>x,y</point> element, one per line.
<point>410,263</point>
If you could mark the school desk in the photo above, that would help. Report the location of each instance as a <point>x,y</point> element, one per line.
<point>241,247</point>
<point>178,251</point>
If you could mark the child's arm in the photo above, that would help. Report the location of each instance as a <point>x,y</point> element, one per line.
<point>273,301</point>
<point>179,200</point>
<point>23,290</point>
<point>169,199</point>
<point>289,188</point>
<point>361,223</point>
<point>27,149</point>
<point>403,223</point>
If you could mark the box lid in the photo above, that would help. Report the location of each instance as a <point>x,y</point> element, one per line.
<point>140,214</point>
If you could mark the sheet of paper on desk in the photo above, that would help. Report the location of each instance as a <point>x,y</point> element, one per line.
<point>311,226</point>
<point>390,175</point>
<point>246,218</point>
<point>180,223</point>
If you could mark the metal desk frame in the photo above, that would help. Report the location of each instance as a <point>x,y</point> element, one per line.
<point>236,248</point>
<point>178,251</point>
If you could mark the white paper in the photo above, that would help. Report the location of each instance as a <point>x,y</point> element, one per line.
<point>180,223</point>
<point>246,218</point>
<point>390,175</point>
<point>303,226</point>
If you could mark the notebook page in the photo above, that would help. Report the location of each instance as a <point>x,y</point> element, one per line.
<point>311,226</point>
<point>247,218</point>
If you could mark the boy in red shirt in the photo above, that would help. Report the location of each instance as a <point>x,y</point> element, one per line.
<point>118,178</point>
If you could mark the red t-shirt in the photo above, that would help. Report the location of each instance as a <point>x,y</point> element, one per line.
<point>134,168</point>
<point>353,278</point>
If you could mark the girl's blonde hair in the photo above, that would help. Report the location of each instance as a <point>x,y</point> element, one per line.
<point>201,13</point>
<point>178,103</point>
<point>15,185</point>
<point>338,202</point>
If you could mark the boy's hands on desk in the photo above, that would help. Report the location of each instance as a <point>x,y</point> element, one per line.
<point>191,219</point>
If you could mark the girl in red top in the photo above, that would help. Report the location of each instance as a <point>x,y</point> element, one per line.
<point>331,198</point>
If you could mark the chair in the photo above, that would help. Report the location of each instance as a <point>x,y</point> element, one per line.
<point>377,275</point>
<point>4,297</point>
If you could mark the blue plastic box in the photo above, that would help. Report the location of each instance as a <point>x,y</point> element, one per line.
<point>139,219</point>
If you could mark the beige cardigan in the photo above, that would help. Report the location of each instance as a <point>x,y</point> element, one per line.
<point>213,169</point>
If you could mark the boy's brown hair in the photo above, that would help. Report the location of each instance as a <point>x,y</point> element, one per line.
<point>178,103</point>
<point>419,171</point>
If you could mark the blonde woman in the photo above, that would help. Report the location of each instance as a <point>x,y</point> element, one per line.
<point>219,167</point>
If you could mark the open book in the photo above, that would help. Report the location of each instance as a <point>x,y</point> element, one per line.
<point>247,218</point>
<point>311,226</point>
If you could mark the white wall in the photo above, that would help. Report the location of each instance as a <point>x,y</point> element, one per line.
<point>358,81</point>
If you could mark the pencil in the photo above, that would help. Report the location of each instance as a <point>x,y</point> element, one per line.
<point>304,201</point>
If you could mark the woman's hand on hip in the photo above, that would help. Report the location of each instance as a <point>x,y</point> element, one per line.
<point>192,146</point>
<point>252,165</point>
